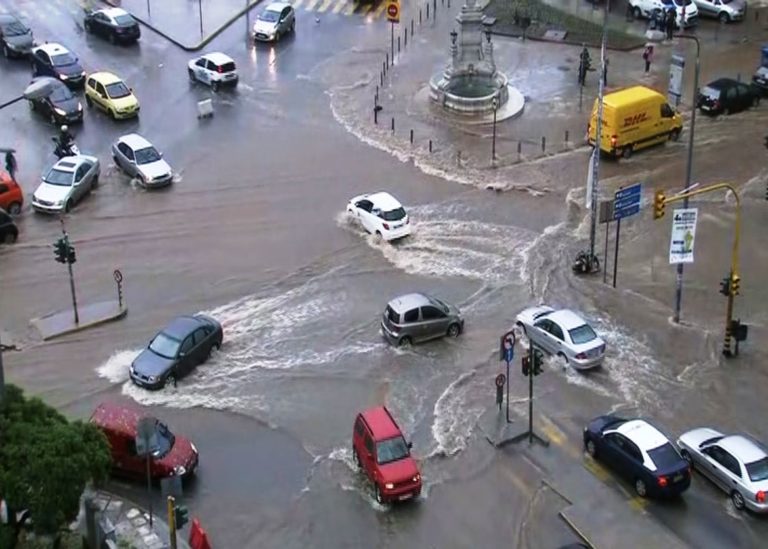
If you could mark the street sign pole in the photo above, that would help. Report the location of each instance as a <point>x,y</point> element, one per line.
<point>392,42</point>
<point>626,203</point>
<point>507,352</point>
<point>616,251</point>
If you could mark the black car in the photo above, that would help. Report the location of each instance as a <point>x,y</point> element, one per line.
<point>55,60</point>
<point>114,24</point>
<point>640,453</point>
<point>60,106</point>
<point>727,95</point>
<point>8,230</point>
<point>15,36</point>
<point>173,353</point>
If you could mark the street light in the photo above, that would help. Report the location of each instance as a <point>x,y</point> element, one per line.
<point>494,106</point>
<point>35,90</point>
<point>688,167</point>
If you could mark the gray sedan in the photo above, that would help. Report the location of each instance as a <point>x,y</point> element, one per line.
<point>66,183</point>
<point>735,463</point>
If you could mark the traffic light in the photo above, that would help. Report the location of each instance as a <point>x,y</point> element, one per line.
<point>538,358</point>
<point>71,258</point>
<point>735,283</point>
<point>766,142</point>
<point>526,366</point>
<point>180,516</point>
<point>658,204</point>
<point>725,286</point>
<point>60,250</point>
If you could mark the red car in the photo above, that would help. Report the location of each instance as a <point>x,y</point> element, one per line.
<point>175,456</point>
<point>11,197</point>
<point>379,448</point>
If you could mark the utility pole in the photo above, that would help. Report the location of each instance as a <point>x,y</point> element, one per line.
<point>2,374</point>
<point>172,521</point>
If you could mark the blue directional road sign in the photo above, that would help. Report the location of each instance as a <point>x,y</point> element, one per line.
<point>626,202</point>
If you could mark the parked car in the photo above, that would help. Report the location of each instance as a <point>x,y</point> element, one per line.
<point>380,214</point>
<point>687,14</point>
<point>9,233</point>
<point>724,10</point>
<point>11,196</point>
<point>174,456</point>
<point>15,37</point>
<point>66,184</point>
<point>726,95</point>
<point>51,59</point>
<point>563,333</point>
<point>60,105</point>
<point>140,159</point>
<point>736,464</point>
<point>640,453</point>
<point>379,449</point>
<point>114,24</point>
<point>108,92</point>
<point>214,69</point>
<point>174,352</point>
<point>419,317</point>
<point>277,20</point>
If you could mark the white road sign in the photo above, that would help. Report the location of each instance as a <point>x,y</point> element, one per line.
<point>683,235</point>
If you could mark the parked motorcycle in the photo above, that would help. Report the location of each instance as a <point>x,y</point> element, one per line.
<point>584,263</point>
<point>62,150</point>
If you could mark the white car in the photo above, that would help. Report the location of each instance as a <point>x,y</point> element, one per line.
<point>66,183</point>
<point>724,10</point>
<point>140,159</point>
<point>686,10</point>
<point>215,69</point>
<point>564,334</point>
<point>381,214</point>
<point>277,20</point>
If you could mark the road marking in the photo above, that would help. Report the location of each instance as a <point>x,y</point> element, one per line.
<point>297,3</point>
<point>518,482</point>
<point>311,5</point>
<point>596,469</point>
<point>638,504</point>
<point>339,6</point>
<point>380,9</point>
<point>364,8</point>
<point>350,8</point>
<point>560,438</point>
<point>325,5</point>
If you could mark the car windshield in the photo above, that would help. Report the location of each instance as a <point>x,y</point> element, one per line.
<point>118,90</point>
<point>683,2</point>
<point>440,305</point>
<point>269,16</point>
<point>758,470</point>
<point>164,346</point>
<point>582,334</point>
<point>14,28</point>
<point>61,93</point>
<point>392,315</point>
<point>391,449</point>
<point>63,59</point>
<point>393,215</point>
<point>147,155</point>
<point>712,93</point>
<point>165,440</point>
<point>124,20</point>
<point>59,177</point>
<point>665,457</point>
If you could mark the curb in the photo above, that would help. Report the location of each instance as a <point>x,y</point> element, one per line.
<point>205,41</point>
<point>85,326</point>
<point>513,34</point>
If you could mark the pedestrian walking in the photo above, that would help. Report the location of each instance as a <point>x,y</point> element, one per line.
<point>584,64</point>
<point>648,57</point>
<point>671,16</point>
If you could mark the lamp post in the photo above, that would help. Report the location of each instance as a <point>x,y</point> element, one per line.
<point>495,106</point>
<point>688,167</point>
<point>37,89</point>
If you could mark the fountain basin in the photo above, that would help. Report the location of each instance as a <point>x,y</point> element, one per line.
<point>469,94</point>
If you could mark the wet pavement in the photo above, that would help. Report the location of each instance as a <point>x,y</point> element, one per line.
<point>253,231</point>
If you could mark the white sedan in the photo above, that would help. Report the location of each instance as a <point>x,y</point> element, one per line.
<point>66,183</point>
<point>140,159</point>
<point>381,214</point>
<point>564,334</point>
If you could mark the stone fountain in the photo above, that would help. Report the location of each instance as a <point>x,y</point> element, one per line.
<point>470,83</point>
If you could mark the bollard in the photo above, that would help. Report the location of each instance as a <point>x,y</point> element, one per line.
<point>384,67</point>
<point>411,137</point>
<point>449,3</point>
<point>543,144</point>
<point>566,138</point>
<point>427,11</point>
<point>519,150</point>
<point>434,8</point>
<point>406,37</point>
<point>458,158</point>
<point>398,44</point>
<point>430,150</point>
<point>381,74</point>
<point>386,60</point>
<point>411,27</point>
<point>393,124</point>
<point>419,16</point>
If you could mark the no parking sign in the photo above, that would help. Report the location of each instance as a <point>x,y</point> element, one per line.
<point>393,11</point>
<point>507,347</point>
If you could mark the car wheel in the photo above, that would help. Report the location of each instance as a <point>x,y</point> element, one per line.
<point>87,26</point>
<point>562,360</point>
<point>687,457</point>
<point>113,114</point>
<point>6,51</point>
<point>14,208</point>
<point>215,86</point>
<point>95,181</point>
<point>34,69</point>
<point>10,237</point>
<point>724,17</point>
<point>626,152</point>
<point>379,236</point>
<point>170,380</point>
<point>755,101</point>
<point>112,38</point>
<point>591,448</point>
<point>377,494</point>
<point>674,135</point>
<point>88,101</point>
<point>191,74</point>
<point>738,500</point>
<point>640,488</point>
<point>405,342</point>
<point>293,26</point>
<point>68,206</point>
<point>355,457</point>
<point>454,330</point>
<point>637,12</point>
<point>53,119</point>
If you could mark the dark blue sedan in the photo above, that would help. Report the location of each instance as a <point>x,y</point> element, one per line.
<point>640,453</point>
<point>55,60</point>
<point>173,353</point>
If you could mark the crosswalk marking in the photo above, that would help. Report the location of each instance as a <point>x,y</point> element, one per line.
<point>325,5</point>
<point>350,7</point>
<point>341,4</point>
<point>362,8</point>
<point>297,4</point>
<point>380,9</point>
<point>311,5</point>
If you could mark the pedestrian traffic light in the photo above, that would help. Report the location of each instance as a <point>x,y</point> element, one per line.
<point>526,365</point>
<point>538,359</point>
<point>658,204</point>
<point>71,254</point>
<point>725,286</point>
<point>735,283</point>
<point>180,516</point>
<point>766,142</point>
<point>60,250</point>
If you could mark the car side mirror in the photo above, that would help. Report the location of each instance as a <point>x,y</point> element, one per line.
<point>182,354</point>
<point>369,454</point>
<point>410,445</point>
<point>160,155</point>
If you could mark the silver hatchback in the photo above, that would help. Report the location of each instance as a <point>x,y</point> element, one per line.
<point>418,317</point>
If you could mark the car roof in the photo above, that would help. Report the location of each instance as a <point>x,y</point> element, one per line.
<point>52,48</point>
<point>113,12</point>
<point>277,6</point>
<point>646,436</point>
<point>105,78</point>
<point>122,419</point>
<point>722,83</point>
<point>381,422</point>
<point>218,58</point>
<point>384,201</point>
<point>409,301</point>
<point>8,18</point>
<point>70,163</point>
<point>632,93</point>
<point>742,447</point>
<point>181,326</point>
<point>566,318</point>
<point>135,141</point>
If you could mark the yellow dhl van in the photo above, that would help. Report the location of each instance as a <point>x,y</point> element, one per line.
<point>634,118</point>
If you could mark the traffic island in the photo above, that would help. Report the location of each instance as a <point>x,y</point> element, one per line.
<point>63,322</point>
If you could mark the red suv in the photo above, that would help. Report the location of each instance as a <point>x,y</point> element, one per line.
<point>175,455</point>
<point>379,448</point>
